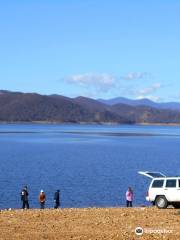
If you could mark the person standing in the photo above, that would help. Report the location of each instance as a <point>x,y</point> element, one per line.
<point>129,197</point>
<point>57,199</point>
<point>24,198</point>
<point>42,199</point>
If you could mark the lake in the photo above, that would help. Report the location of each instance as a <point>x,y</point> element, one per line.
<point>92,165</point>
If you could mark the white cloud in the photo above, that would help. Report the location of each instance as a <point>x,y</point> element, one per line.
<point>99,81</point>
<point>101,84</point>
<point>150,97</point>
<point>135,75</point>
<point>149,90</point>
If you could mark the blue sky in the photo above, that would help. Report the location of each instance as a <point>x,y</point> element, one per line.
<point>94,48</point>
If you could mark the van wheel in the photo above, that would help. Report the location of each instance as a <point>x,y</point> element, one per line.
<point>161,202</point>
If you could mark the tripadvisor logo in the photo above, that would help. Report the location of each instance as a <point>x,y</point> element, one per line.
<point>139,231</point>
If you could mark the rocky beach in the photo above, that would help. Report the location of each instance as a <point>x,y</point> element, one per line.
<point>90,223</point>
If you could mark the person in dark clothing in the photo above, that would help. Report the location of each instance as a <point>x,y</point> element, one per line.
<point>24,198</point>
<point>57,199</point>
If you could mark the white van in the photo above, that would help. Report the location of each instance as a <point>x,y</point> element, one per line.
<point>163,191</point>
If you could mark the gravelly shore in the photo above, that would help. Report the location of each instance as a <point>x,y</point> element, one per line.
<point>90,223</point>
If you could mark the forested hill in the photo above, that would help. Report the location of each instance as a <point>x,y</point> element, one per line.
<point>32,107</point>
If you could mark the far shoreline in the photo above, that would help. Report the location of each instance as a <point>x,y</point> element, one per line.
<point>87,123</point>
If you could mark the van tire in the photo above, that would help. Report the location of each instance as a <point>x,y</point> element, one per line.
<point>161,202</point>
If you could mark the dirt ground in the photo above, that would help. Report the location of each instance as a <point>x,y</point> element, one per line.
<point>90,223</point>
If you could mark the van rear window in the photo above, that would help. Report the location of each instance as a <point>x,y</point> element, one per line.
<point>157,183</point>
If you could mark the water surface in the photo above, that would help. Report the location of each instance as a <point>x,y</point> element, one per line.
<point>92,165</point>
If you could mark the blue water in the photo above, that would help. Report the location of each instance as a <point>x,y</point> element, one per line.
<point>89,166</point>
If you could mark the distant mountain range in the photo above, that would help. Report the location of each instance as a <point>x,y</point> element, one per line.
<point>33,107</point>
<point>141,102</point>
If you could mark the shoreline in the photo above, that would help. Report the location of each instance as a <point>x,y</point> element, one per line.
<point>87,123</point>
<point>90,223</point>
